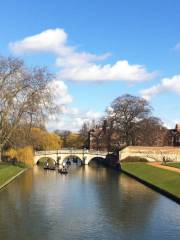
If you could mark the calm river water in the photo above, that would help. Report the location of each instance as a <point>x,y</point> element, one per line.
<point>88,203</point>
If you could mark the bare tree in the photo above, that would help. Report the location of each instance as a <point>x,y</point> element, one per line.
<point>25,97</point>
<point>88,133</point>
<point>84,130</point>
<point>109,133</point>
<point>150,132</point>
<point>127,111</point>
<point>63,134</point>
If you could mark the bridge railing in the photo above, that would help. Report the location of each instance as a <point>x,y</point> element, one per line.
<point>95,152</point>
<point>70,151</point>
<point>62,151</point>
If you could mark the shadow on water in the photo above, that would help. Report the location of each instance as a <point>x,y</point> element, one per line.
<point>91,202</point>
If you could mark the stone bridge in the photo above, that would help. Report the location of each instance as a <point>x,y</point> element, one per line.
<point>59,156</point>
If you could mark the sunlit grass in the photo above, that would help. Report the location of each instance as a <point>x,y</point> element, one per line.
<point>176,165</point>
<point>164,179</point>
<point>7,171</point>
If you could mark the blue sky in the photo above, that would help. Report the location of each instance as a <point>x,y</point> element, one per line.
<point>144,33</point>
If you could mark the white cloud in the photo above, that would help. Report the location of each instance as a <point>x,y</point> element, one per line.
<point>47,41</point>
<point>66,123</point>
<point>60,92</point>
<point>166,85</point>
<point>80,66</point>
<point>71,119</point>
<point>92,115</point>
<point>121,70</point>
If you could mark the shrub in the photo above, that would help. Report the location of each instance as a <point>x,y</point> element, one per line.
<point>11,153</point>
<point>24,156</point>
<point>134,159</point>
<point>21,165</point>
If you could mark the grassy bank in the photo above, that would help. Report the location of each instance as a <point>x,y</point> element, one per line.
<point>176,165</point>
<point>163,179</point>
<point>7,172</point>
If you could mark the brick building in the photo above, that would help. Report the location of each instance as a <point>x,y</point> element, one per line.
<point>174,136</point>
<point>98,139</point>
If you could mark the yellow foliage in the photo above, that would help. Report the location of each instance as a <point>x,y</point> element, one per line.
<point>43,140</point>
<point>74,140</point>
<point>24,155</point>
<point>50,141</point>
<point>11,153</point>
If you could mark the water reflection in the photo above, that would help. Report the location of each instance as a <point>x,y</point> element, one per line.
<point>88,203</point>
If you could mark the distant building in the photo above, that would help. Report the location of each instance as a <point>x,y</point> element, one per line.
<point>99,140</point>
<point>95,139</point>
<point>174,136</point>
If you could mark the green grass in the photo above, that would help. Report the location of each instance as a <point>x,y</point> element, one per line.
<point>176,165</point>
<point>8,171</point>
<point>164,179</point>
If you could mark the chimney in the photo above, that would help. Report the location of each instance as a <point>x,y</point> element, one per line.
<point>177,127</point>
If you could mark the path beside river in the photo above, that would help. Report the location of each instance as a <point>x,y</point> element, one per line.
<point>159,165</point>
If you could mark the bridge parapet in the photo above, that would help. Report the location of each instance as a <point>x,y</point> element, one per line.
<point>94,152</point>
<point>69,151</point>
<point>61,151</point>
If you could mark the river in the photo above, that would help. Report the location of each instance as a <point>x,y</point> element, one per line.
<point>88,203</point>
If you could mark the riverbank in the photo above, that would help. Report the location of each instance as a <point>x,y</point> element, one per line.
<point>164,181</point>
<point>8,173</point>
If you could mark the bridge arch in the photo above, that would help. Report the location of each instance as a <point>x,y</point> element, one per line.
<point>73,158</point>
<point>46,159</point>
<point>39,158</point>
<point>97,159</point>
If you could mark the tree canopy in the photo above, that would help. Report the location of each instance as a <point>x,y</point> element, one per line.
<point>127,110</point>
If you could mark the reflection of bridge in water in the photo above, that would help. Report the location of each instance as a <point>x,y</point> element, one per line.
<point>59,156</point>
